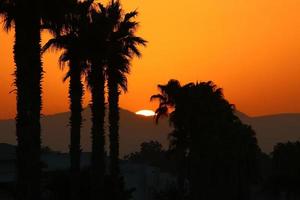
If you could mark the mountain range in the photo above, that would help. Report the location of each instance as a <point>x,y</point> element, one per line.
<point>135,129</point>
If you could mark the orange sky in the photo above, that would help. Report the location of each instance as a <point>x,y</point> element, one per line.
<point>251,48</point>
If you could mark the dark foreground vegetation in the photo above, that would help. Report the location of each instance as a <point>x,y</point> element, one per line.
<point>277,175</point>
<point>213,154</point>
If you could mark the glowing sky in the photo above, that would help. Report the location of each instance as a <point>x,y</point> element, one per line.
<point>251,48</point>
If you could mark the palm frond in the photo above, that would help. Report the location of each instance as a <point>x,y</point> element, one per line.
<point>161,111</point>
<point>63,58</point>
<point>8,22</point>
<point>157,97</point>
<point>58,43</point>
<point>122,82</point>
<point>67,75</point>
<point>130,15</point>
<point>7,13</point>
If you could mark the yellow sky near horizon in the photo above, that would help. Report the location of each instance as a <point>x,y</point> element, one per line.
<point>251,48</point>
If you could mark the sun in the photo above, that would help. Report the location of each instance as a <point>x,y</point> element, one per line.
<point>146,113</point>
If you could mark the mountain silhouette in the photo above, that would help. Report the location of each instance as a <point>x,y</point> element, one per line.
<point>271,129</point>
<point>135,129</point>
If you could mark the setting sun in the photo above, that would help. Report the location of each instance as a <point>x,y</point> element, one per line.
<point>146,113</point>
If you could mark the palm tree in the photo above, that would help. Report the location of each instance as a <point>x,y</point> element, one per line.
<point>122,47</point>
<point>28,76</point>
<point>73,39</point>
<point>167,98</point>
<point>170,105</point>
<point>96,83</point>
<point>27,18</point>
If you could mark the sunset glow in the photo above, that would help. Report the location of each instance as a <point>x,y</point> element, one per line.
<point>146,113</point>
<point>249,48</point>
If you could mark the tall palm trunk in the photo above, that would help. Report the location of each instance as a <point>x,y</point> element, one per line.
<point>97,132</point>
<point>113,98</point>
<point>75,95</point>
<point>28,77</point>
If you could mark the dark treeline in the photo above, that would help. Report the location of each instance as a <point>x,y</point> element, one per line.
<point>98,43</point>
<point>277,175</point>
<point>152,154</point>
<point>284,172</point>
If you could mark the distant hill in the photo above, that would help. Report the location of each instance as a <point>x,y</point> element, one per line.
<point>136,129</point>
<point>272,129</point>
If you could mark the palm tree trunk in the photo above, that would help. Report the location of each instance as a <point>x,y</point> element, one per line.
<point>97,132</point>
<point>113,98</point>
<point>114,127</point>
<point>75,96</point>
<point>28,75</point>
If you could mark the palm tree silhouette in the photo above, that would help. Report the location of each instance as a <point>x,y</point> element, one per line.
<point>122,47</point>
<point>167,98</point>
<point>99,30</point>
<point>28,18</point>
<point>28,76</point>
<point>73,39</point>
<point>170,106</point>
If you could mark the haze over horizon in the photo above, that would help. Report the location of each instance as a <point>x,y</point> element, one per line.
<point>269,130</point>
<point>249,48</point>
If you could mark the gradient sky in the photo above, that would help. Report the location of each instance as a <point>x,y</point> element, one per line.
<point>251,48</point>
